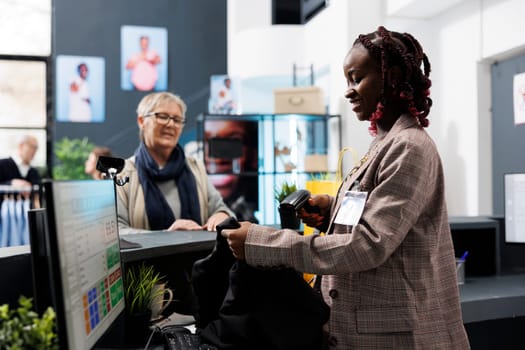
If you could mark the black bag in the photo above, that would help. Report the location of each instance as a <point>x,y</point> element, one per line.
<point>241,307</point>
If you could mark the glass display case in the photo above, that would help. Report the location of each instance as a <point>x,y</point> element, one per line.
<point>248,156</point>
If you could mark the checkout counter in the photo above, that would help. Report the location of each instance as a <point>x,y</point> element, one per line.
<point>486,294</point>
<point>492,299</point>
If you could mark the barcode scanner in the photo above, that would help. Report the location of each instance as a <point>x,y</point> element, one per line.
<point>297,200</point>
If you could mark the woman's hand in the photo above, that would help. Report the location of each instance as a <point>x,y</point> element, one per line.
<point>322,202</point>
<point>214,220</point>
<point>185,225</point>
<point>236,239</point>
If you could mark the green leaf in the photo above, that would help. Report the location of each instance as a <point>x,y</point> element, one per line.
<point>286,189</point>
<point>139,283</point>
<point>22,328</point>
<point>71,155</point>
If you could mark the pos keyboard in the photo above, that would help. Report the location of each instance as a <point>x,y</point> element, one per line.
<point>181,338</point>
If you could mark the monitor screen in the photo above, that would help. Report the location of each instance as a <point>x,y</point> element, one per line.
<point>84,258</point>
<point>515,208</point>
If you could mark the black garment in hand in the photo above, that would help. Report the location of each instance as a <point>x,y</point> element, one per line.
<point>243,308</point>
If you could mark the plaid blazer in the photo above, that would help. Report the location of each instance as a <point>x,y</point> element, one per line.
<point>390,280</point>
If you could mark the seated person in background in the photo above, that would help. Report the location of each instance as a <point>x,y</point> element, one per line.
<point>166,189</point>
<point>90,166</point>
<point>17,170</point>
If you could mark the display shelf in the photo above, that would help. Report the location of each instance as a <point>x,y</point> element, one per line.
<point>264,150</point>
<point>480,237</point>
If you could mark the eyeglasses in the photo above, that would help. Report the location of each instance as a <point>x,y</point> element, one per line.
<point>164,118</point>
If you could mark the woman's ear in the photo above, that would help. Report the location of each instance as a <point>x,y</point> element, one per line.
<point>140,121</point>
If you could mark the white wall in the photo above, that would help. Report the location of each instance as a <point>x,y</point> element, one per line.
<point>461,42</point>
<point>255,48</point>
<point>452,43</point>
<point>328,37</point>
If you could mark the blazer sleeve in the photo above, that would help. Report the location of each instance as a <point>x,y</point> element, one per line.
<point>400,185</point>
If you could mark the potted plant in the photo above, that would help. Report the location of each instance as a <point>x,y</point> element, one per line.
<point>22,328</point>
<point>71,155</point>
<point>139,291</point>
<point>284,190</point>
<point>288,219</point>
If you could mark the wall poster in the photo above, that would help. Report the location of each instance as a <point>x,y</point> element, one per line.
<point>519,98</point>
<point>144,58</point>
<point>80,89</point>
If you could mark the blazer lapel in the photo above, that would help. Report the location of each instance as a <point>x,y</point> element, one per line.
<point>350,179</point>
<point>403,122</point>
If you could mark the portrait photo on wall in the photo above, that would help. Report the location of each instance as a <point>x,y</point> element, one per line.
<point>80,89</point>
<point>224,95</point>
<point>519,98</point>
<point>144,58</point>
<point>231,159</point>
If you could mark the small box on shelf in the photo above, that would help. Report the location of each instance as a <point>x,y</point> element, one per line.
<point>299,99</point>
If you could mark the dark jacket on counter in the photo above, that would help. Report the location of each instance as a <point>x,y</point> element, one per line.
<point>240,307</point>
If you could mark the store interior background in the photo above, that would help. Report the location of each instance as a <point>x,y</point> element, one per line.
<point>464,40</point>
<point>474,46</point>
<point>468,42</point>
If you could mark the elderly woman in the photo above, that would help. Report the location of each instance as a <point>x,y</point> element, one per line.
<point>166,189</point>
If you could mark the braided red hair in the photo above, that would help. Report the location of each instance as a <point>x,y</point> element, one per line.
<point>404,51</point>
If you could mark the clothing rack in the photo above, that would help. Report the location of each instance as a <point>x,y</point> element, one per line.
<point>17,189</point>
<point>14,205</point>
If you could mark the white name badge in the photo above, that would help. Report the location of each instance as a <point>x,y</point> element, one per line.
<point>351,208</point>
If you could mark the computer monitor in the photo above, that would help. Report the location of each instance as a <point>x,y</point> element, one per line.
<point>83,254</point>
<point>40,259</point>
<point>514,208</point>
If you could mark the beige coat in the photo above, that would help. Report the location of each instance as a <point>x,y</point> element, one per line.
<point>130,197</point>
<point>390,280</point>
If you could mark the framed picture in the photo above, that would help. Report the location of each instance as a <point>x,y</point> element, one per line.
<point>80,89</point>
<point>519,98</point>
<point>144,58</point>
<point>224,95</point>
<point>231,159</point>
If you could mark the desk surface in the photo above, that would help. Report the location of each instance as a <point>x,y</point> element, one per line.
<point>161,243</point>
<point>482,298</point>
<point>492,297</point>
<point>471,222</point>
